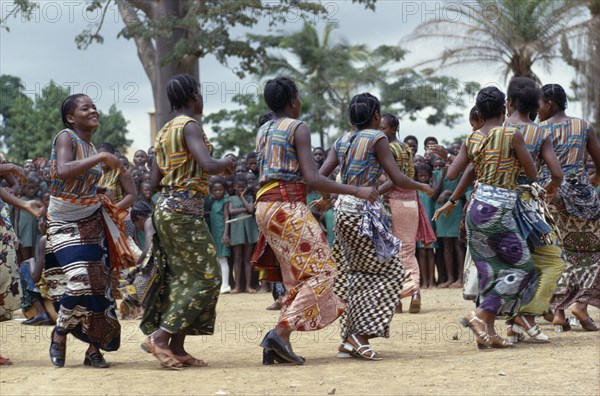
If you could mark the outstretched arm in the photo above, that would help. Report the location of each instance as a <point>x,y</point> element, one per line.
<point>387,161</point>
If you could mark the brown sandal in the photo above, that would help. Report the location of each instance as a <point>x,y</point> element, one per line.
<point>166,358</point>
<point>478,327</point>
<point>587,324</point>
<point>190,361</point>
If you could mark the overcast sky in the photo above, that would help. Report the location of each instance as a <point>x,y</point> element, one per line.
<point>44,49</point>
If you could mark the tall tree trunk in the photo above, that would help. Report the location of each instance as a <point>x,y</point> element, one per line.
<point>153,53</point>
<point>164,72</point>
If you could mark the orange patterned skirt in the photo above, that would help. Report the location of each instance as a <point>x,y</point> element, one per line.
<point>306,264</point>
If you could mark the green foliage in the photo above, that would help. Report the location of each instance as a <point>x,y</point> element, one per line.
<point>112,129</point>
<point>207,27</point>
<point>516,34</point>
<point>29,126</point>
<point>330,73</point>
<point>410,92</point>
<point>236,129</point>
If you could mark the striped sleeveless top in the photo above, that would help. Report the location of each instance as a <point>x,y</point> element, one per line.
<point>534,137</point>
<point>357,158</point>
<point>78,187</point>
<point>276,154</point>
<point>180,170</point>
<point>493,157</point>
<point>569,139</point>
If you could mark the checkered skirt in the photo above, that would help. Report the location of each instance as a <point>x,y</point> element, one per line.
<point>370,286</point>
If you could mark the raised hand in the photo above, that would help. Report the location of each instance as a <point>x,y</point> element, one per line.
<point>445,210</point>
<point>368,193</point>
<point>35,208</point>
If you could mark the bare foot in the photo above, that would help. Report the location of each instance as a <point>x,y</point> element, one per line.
<point>445,285</point>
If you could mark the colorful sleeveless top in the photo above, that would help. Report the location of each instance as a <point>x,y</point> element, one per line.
<point>276,154</point>
<point>493,157</point>
<point>357,158</point>
<point>569,139</point>
<point>404,158</point>
<point>180,170</point>
<point>78,187</point>
<point>534,137</point>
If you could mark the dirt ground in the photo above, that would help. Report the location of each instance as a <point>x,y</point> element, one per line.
<point>427,353</point>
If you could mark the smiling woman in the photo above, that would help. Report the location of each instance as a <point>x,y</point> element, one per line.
<point>82,227</point>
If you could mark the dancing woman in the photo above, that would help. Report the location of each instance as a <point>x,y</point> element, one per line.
<point>522,100</point>
<point>408,216</point>
<point>576,208</point>
<point>306,267</point>
<point>83,227</point>
<point>370,267</point>
<point>523,96</point>
<point>184,251</point>
<point>500,253</point>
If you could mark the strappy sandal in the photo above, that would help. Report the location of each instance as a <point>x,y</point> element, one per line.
<point>343,353</point>
<point>587,324</point>
<point>532,331</point>
<point>500,343</point>
<point>478,327</point>
<point>360,350</point>
<point>165,357</point>
<point>190,361</point>
<point>513,336</point>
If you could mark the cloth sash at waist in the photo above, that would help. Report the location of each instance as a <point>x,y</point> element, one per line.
<point>282,191</point>
<point>73,210</point>
<point>264,258</point>
<point>375,224</point>
<point>530,223</point>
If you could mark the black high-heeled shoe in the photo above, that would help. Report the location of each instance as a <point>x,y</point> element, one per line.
<point>58,351</point>
<point>273,343</point>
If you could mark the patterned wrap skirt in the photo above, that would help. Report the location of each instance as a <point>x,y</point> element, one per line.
<point>370,285</point>
<point>549,264</point>
<point>9,271</point>
<point>307,266</point>
<point>505,269</point>
<point>188,277</point>
<point>78,275</point>
<point>580,280</point>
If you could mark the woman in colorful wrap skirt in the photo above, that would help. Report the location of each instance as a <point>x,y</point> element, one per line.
<point>576,208</point>
<point>500,253</point>
<point>370,271</point>
<point>189,276</point>
<point>86,239</point>
<point>297,246</point>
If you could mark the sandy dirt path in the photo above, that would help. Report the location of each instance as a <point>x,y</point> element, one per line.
<point>427,353</point>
